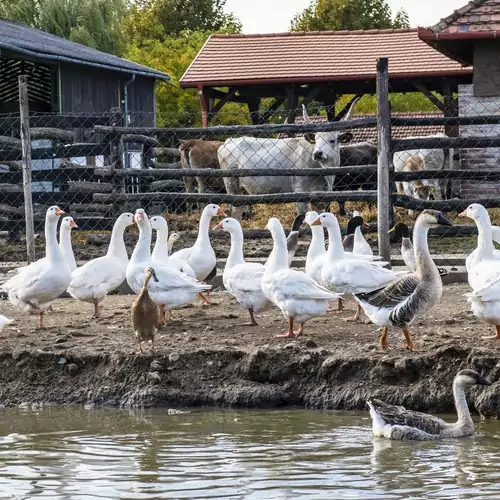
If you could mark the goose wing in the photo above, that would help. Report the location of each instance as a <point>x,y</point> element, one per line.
<point>399,415</point>
<point>393,294</point>
<point>246,277</point>
<point>298,285</point>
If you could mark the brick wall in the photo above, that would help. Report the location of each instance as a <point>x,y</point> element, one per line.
<point>478,159</point>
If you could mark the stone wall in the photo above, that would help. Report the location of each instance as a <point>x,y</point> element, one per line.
<point>478,159</point>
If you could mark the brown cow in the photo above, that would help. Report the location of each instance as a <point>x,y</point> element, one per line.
<point>198,153</point>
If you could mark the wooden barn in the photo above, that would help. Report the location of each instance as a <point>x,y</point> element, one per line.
<point>68,78</point>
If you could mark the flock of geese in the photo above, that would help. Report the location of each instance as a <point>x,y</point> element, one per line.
<point>165,281</point>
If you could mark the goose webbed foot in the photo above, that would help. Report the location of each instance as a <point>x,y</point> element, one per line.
<point>253,321</point>
<point>300,331</point>
<point>204,299</point>
<point>383,338</point>
<point>493,337</point>
<point>409,343</point>
<point>355,318</point>
<point>97,309</point>
<point>289,333</point>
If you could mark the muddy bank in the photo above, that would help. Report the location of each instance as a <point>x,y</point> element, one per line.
<point>208,357</point>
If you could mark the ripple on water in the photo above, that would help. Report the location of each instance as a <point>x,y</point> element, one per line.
<point>214,454</point>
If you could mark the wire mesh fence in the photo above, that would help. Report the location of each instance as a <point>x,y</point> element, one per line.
<point>97,166</point>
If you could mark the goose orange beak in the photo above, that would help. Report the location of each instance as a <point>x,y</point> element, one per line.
<point>317,222</point>
<point>73,224</point>
<point>59,211</point>
<point>463,214</point>
<point>221,213</point>
<point>217,227</point>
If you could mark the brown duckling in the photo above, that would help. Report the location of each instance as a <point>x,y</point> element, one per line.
<point>145,316</point>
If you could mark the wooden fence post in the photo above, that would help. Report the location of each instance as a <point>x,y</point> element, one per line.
<point>384,159</point>
<point>26,164</point>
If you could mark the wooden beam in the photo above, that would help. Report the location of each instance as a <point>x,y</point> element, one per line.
<point>222,102</point>
<point>203,96</point>
<point>254,110</point>
<point>219,94</point>
<point>384,159</point>
<point>422,88</point>
<point>310,96</point>
<point>291,103</point>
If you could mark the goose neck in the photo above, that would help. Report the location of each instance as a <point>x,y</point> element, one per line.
<point>425,264</point>
<point>52,250</point>
<point>484,235</point>
<point>160,251</point>
<point>463,414</point>
<point>235,256</point>
<point>117,244</point>
<point>317,246</point>
<point>203,229</point>
<point>335,248</point>
<point>65,238</point>
<point>142,250</point>
<point>279,254</point>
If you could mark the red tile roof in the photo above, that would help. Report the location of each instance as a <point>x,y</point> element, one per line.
<point>314,56</point>
<point>478,15</point>
<point>366,134</point>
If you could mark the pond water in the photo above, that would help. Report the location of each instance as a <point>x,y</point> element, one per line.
<point>72,453</point>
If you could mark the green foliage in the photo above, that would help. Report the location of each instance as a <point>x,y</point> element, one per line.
<point>178,107</point>
<point>95,23</point>
<point>160,19</point>
<point>348,15</point>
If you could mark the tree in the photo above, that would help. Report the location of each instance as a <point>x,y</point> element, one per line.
<point>95,23</point>
<point>177,107</point>
<point>348,15</point>
<point>159,19</point>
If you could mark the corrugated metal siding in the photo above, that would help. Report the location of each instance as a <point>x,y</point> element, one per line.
<point>85,90</point>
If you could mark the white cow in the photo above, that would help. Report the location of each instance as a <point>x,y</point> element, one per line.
<point>297,152</point>
<point>413,160</point>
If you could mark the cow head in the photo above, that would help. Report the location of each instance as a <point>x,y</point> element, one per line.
<point>327,144</point>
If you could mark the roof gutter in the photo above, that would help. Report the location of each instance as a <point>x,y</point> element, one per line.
<point>52,58</point>
<point>429,35</point>
<point>304,80</point>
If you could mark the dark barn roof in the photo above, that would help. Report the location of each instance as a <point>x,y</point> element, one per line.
<point>40,46</point>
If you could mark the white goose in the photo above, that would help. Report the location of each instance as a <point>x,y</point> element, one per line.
<point>160,251</point>
<point>36,286</point>
<point>67,224</point>
<point>407,250</point>
<point>485,236</point>
<point>316,253</point>
<point>484,271</point>
<point>355,241</point>
<point>201,256</point>
<point>94,280</point>
<point>173,288</point>
<point>343,273</point>
<point>298,296</point>
<point>243,279</point>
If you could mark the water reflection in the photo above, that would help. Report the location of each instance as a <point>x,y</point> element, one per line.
<point>223,454</point>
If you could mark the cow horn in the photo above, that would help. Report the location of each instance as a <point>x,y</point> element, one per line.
<point>305,116</point>
<point>349,114</point>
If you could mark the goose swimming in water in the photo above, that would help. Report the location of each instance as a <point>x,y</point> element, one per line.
<point>398,423</point>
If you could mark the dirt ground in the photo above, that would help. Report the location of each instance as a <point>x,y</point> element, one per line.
<point>207,356</point>
<point>224,323</point>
